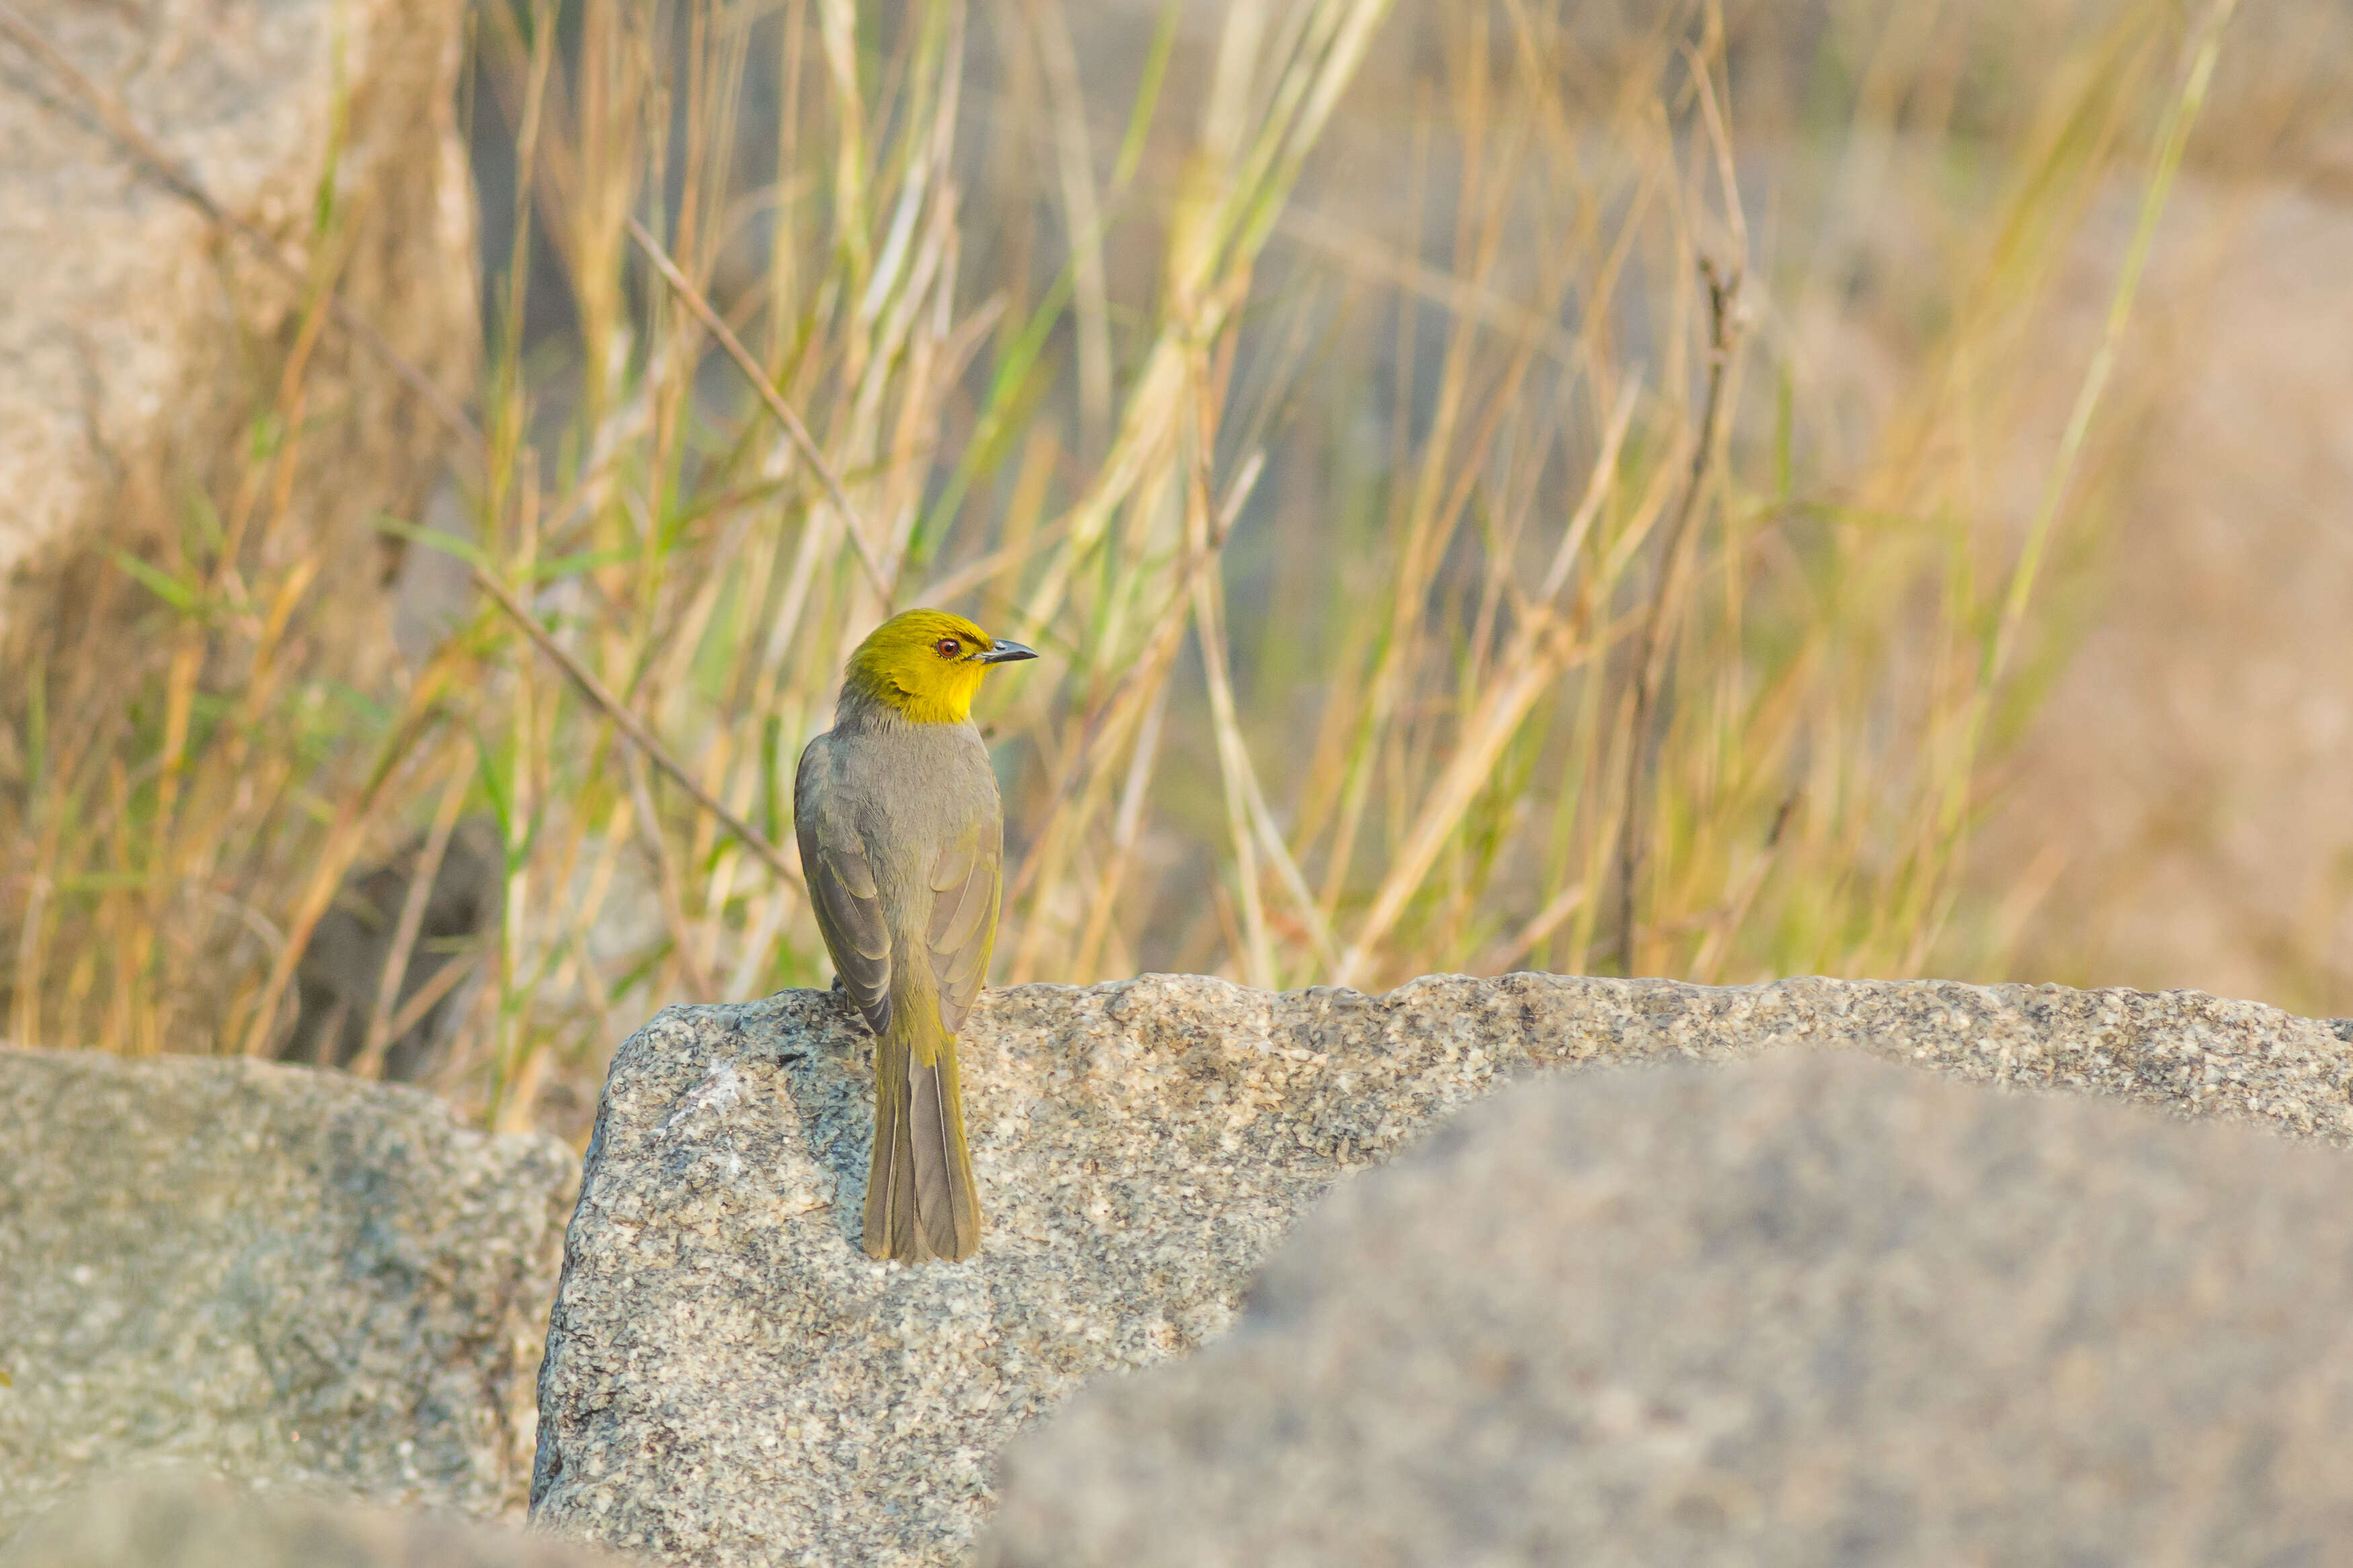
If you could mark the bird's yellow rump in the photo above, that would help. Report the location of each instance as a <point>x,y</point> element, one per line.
<point>902,838</point>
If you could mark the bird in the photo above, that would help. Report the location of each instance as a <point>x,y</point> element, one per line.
<point>902,838</point>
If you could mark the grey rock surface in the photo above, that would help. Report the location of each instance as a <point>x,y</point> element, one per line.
<point>169,1520</point>
<point>270,1272</point>
<point>1803,1311</point>
<point>729,1380</point>
<point>132,330</point>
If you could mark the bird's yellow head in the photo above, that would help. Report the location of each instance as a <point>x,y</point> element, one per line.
<point>927,665</point>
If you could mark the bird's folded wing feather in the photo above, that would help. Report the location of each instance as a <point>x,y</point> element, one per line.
<point>963,918</point>
<point>842,891</point>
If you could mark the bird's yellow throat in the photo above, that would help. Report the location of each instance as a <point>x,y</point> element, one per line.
<point>926,666</point>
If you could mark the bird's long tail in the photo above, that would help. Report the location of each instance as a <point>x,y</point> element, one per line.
<point>920,1200</point>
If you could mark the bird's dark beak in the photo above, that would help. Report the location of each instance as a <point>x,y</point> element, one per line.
<point>1006,653</point>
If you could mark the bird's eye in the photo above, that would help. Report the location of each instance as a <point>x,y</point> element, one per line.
<point>949,648</point>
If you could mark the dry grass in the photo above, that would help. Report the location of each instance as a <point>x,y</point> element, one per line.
<point>1405,608</point>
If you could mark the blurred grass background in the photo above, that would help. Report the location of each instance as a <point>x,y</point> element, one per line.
<point>1515,485</point>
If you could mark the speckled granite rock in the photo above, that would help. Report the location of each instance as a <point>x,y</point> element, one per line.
<point>1803,1311</point>
<point>174,1522</point>
<point>273,1272</point>
<point>729,1380</point>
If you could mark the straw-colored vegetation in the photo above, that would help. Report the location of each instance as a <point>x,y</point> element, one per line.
<point>1446,546</point>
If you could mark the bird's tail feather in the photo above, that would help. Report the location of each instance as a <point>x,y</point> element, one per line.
<point>920,1200</point>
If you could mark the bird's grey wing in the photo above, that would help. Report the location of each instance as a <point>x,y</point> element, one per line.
<point>963,916</point>
<point>842,891</point>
